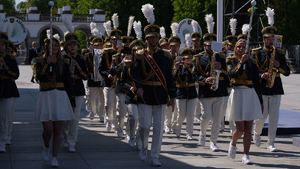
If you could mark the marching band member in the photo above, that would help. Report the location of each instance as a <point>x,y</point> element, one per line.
<point>271,62</point>
<point>228,47</point>
<point>9,72</point>
<point>94,92</point>
<point>174,45</point>
<point>131,95</point>
<point>197,48</point>
<point>163,41</point>
<point>155,87</point>
<point>213,83</point>
<point>108,73</point>
<point>53,105</point>
<point>74,87</point>
<point>121,69</point>
<point>130,88</point>
<point>186,94</point>
<point>87,53</point>
<point>244,103</point>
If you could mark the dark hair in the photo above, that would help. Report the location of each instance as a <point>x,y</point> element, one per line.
<point>47,45</point>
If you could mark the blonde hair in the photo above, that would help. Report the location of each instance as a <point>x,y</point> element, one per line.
<point>239,42</point>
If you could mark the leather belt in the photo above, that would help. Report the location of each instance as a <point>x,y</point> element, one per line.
<point>49,85</point>
<point>241,82</point>
<point>183,85</point>
<point>151,83</point>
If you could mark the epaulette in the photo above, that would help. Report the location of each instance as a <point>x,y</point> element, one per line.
<point>202,53</point>
<point>256,50</point>
<point>116,55</point>
<point>107,49</point>
<point>167,53</point>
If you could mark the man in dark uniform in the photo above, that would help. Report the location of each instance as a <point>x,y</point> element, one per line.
<point>32,55</point>
<point>9,72</point>
<point>212,90</point>
<point>171,115</point>
<point>271,62</point>
<point>120,70</point>
<point>94,96</point>
<point>74,87</point>
<point>197,48</point>
<point>156,88</point>
<point>108,72</point>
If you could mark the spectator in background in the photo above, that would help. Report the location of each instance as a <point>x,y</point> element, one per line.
<point>33,53</point>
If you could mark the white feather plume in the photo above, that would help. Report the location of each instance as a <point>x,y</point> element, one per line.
<point>93,25</point>
<point>56,36</point>
<point>66,33</point>
<point>162,32</point>
<point>270,14</point>
<point>96,32</point>
<point>147,10</point>
<point>107,27</point>
<point>188,40</point>
<point>194,26</point>
<point>48,33</point>
<point>68,23</point>
<point>115,19</point>
<point>245,29</point>
<point>174,28</point>
<point>210,23</point>
<point>137,26</point>
<point>233,23</point>
<point>130,22</point>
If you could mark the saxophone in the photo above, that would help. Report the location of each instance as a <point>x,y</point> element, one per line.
<point>272,73</point>
<point>214,73</point>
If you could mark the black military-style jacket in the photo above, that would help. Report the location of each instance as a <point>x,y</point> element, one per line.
<point>262,59</point>
<point>52,75</point>
<point>145,78</point>
<point>203,69</point>
<point>245,74</point>
<point>74,86</point>
<point>125,83</point>
<point>185,82</point>
<point>107,67</point>
<point>8,75</point>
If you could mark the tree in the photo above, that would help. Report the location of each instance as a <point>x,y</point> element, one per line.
<point>194,9</point>
<point>21,7</point>
<point>9,6</point>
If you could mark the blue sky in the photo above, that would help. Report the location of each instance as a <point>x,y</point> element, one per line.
<point>18,1</point>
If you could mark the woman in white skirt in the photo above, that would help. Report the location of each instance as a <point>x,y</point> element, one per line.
<point>53,104</point>
<point>244,104</point>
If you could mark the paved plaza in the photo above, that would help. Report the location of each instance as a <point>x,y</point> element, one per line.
<point>98,149</point>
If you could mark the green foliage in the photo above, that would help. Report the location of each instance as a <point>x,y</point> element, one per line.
<point>194,9</point>
<point>9,6</point>
<point>82,38</point>
<point>21,7</point>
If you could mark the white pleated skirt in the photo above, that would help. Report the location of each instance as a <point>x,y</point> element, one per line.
<point>243,104</point>
<point>53,105</point>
